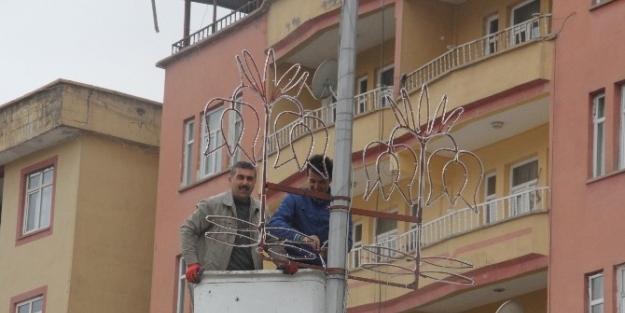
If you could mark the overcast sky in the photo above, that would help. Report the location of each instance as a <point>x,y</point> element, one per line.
<point>111,44</point>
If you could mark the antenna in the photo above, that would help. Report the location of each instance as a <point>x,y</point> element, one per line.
<point>324,80</point>
<point>510,306</point>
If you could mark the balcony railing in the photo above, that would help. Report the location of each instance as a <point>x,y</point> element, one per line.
<point>534,29</point>
<point>363,103</point>
<point>455,223</point>
<point>233,17</point>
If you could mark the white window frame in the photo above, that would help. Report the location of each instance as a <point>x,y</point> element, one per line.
<point>187,155</point>
<point>182,282</point>
<point>598,135</point>
<point>383,89</point>
<point>362,95</point>
<point>211,164</point>
<point>387,239</point>
<point>234,129</point>
<point>620,288</point>
<point>492,38</point>
<point>356,252</point>
<point>622,130</point>
<point>598,301</point>
<point>490,209</point>
<point>41,192</point>
<point>522,202</point>
<point>30,303</point>
<point>522,29</point>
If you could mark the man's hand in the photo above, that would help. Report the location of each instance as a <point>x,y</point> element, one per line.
<point>289,268</point>
<point>312,241</point>
<point>194,271</point>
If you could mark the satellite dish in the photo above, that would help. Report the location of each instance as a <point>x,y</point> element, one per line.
<point>324,80</point>
<point>510,306</point>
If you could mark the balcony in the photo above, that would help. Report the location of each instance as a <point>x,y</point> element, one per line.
<point>218,25</point>
<point>477,50</point>
<point>457,223</point>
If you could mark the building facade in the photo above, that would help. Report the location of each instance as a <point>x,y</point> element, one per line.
<point>78,171</point>
<point>587,268</point>
<point>492,59</point>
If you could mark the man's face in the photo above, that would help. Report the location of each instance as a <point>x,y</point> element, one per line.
<point>317,183</point>
<point>242,183</point>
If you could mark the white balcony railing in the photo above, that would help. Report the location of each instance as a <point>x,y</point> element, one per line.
<point>531,30</point>
<point>455,223</point>
<point>363,103</point>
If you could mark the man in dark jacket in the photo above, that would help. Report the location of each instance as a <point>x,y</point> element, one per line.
<point>306,219</point>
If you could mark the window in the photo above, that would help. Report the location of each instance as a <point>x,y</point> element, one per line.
<point>492,27</point>
<point>620,289</point>
<point>236,127</point>
<point>385,234</point>
<point>524,177</point>
<point>525,24</point>
<point>30,306</point>
<point>357,237</point>
<point>385,84</point>
<point>622,130</point>
<point>595,293</point>
<point>490,209</point>
<point>188,152</point>
<point>33,301</point>
<point>211,163</point>
<point>362,94</point>
<point>181,283</point>
<point>598,142</point>
<point>36,200</point>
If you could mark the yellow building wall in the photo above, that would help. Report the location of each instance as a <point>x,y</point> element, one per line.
<point>282,19</point>
<point>46,261</point>
<point>113,247</point>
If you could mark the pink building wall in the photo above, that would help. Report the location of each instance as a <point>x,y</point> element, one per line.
<point>206,71</point>
<point>588,215</point>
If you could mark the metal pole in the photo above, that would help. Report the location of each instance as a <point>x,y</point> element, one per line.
<point>336,281</point>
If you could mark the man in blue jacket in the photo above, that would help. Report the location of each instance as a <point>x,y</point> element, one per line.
<point>309,217</point>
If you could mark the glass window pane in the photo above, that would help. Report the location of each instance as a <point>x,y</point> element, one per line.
<point>596,288</point>
<point>37,305</point>
<point>46,207</point>
<point>357,233</point>
<point>34,180</point>
<point>31,211</point>
<point>24,308</point>
<point>525,173</point>
<point>48,174</point>
<point>597,308</point>
<point>490,185</point>
<point>384,225</point>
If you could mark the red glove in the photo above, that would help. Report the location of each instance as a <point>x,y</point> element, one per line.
<point>289,269</point>
<point>194,271</point>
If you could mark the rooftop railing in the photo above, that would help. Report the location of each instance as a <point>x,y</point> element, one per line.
<point>233,17</point>
<point>531,30</point>
<point>456,223</point>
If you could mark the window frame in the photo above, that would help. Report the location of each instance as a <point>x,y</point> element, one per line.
<point>31,295</point>
<point>492,38</point>
<point>622,128</point>
<point>384,89</point>
<point>205,170</point>
<point>598,144</point>
<point>490,208</point>
<point>355,256</point>
<point>620,288</point>
<point>520,188</point>
<point>389,236</point>
<point>361,94</point>
<point>522,33</point>
<point>187,151</point>
<point>598,301</point>
<point>23,236</point>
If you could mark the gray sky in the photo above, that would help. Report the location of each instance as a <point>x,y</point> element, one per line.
<point>110,44</point>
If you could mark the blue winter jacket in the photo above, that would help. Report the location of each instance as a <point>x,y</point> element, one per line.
<point>307,215</point>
